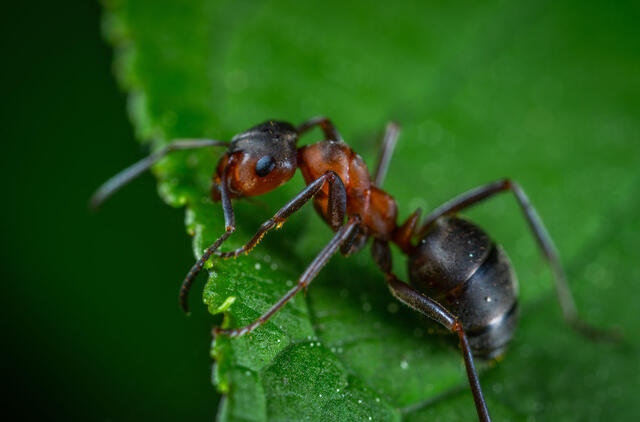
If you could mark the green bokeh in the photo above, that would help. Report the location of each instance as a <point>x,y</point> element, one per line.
<point>546,93</point>
<point>91,321</point>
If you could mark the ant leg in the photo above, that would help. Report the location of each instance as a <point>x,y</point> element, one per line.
<point>330,131</point>
<point>429,307</point>
<point>230,227</point>
<point>565,298</point>
<point>116,182</point>
<point>386,151</point>
<point>337,206</point>
<point>357,241</point>
<point>343,234</point>
<point>403,234</point>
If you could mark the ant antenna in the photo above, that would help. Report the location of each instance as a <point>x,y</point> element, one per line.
<point>114,184</point>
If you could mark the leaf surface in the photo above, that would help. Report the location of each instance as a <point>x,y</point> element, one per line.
<point>543,93</point>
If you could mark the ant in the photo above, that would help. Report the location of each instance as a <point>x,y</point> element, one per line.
<point>459,277</point>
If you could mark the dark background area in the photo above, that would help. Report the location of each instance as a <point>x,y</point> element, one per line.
<point>77,331</point>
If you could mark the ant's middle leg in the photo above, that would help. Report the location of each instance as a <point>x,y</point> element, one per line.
<point>429,307</point>
<point>565,298</point>
<point>343,234</point>
<point>389,140</point>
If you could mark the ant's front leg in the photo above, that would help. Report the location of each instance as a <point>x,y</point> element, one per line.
<point>336,209</point>
<point>330,131</point>
<point>230,227</point>
<point>108,188</point>
<point>337,206</point>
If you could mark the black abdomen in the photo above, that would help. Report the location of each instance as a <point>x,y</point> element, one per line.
<point>458,265</point>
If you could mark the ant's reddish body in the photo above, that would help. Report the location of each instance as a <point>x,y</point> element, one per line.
<point>459,277</point>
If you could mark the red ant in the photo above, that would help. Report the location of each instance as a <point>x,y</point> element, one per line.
<point>459,277</point>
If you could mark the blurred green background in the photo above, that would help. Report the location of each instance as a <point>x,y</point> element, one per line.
<point>546,93</point>
<point>90,315</point>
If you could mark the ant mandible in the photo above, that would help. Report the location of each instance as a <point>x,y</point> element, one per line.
<point>459,277</point>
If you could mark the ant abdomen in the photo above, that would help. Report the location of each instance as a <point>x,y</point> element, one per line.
<point>459,265</point>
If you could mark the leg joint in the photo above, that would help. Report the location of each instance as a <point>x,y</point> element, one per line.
<point>332,176</point>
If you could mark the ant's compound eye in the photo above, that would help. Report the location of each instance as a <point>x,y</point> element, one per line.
<point>265,165</point>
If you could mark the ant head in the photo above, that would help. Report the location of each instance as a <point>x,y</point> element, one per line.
<point>260,159</point>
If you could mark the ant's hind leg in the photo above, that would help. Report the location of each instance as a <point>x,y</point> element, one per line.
<point>427,306</point>
<point>565,298</point>
<point>343,234</point>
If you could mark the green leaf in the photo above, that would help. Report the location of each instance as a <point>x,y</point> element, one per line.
<point>546,94</point>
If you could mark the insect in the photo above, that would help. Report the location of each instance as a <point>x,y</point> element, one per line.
<point>459,277</point>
